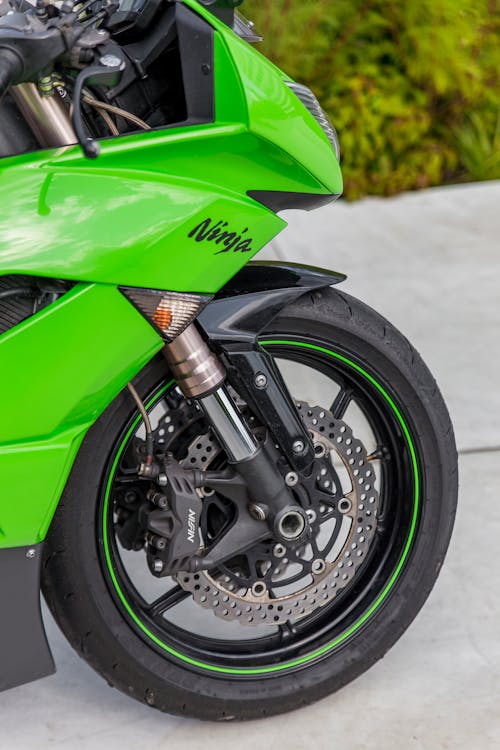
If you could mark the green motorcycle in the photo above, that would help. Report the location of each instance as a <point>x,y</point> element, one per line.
<point>234,483</point>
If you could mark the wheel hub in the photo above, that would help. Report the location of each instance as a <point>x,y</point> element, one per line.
<point>276,582</point>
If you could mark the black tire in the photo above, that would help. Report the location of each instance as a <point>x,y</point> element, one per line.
<point>78,592</point>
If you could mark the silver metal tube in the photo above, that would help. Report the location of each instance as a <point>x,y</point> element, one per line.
<point>46,115</point>
<point>196,369</point>
<point>200,374</point>
<point>227,422</point>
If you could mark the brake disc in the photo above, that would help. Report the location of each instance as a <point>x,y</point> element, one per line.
<point>258,604</point>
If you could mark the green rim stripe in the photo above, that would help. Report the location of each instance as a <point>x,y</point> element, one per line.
<point>324,649</point>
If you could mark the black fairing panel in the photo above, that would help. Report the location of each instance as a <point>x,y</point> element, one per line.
<point>24,651</point>
<point>252,298</point>
<point>279,201</point>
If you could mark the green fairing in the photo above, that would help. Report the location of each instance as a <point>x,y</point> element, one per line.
<point>128,219</point>
<point>59,371</point>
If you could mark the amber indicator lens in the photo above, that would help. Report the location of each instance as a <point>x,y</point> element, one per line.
<point>169,312</point>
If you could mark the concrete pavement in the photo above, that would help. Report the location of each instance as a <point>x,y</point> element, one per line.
<point>430,262</point>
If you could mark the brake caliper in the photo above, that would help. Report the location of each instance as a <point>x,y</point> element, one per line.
<point>173,530</point>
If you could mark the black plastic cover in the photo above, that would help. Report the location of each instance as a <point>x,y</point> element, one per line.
<point>252,298</point>
<point>24,651</point>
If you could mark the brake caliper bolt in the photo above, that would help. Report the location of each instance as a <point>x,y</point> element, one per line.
<point>162,480</point>
<point>298,446</point>
<point>260,380</point>
<point>159,542</point>
<point>291,478</point>
<point>157,499</point>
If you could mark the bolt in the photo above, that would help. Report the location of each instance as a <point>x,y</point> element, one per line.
<point>327,483</point>
<point>279,550</point>
<point>298,446</point>
<point>311,515</point>
<point>30,554</point>
<point>345,505</point>
<point>162,480</point>
<point>260,380</point>
<point>110,61</point>
<point>318,566</point>
<point>158,566</point>
<point>291,478</point>
<point>157,499</point>
<point>259,589</point>
<point>319,450</point>
<point>257,511</point>
<point>159,542</point>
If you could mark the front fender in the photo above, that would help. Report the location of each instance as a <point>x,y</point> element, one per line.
<point>250,301</point>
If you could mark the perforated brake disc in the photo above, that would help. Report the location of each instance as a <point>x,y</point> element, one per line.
<point>224,593</point>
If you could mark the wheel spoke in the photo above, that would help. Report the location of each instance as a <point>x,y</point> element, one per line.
<point>341,403</point>
<point>167,601</point>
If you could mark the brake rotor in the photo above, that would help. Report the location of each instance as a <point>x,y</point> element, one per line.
<point>229,594</point>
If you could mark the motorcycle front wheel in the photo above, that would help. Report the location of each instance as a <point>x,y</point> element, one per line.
<point>213,645</point>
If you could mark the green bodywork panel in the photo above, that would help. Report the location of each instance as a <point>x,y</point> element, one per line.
<point>128,218</point>
<point>59,370</point>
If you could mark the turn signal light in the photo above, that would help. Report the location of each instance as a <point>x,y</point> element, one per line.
<point>169,312</point>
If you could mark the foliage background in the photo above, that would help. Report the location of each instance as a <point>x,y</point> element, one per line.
<point>412,86</point>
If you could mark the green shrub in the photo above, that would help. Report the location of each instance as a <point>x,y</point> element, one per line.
<point>413,86</point>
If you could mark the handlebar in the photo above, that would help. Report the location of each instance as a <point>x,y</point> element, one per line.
<point>32,41</point>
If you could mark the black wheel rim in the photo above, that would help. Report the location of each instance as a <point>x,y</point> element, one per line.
<point>331,627</point>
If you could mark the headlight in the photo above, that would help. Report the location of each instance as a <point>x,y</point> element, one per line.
<point>169,312</point>
<point>310,102</point>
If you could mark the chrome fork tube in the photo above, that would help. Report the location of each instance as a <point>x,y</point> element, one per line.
<point>195,367</point>
<point>200,374</point>
<point>46,115</point>
<point>224,417</point>
<point>197,370</point>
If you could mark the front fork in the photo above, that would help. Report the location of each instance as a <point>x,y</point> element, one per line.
<point>201,375</point>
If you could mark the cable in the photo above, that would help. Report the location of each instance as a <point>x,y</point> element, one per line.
<point>88,99</point>
<point>118,112</point>
<point>147,425</point>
